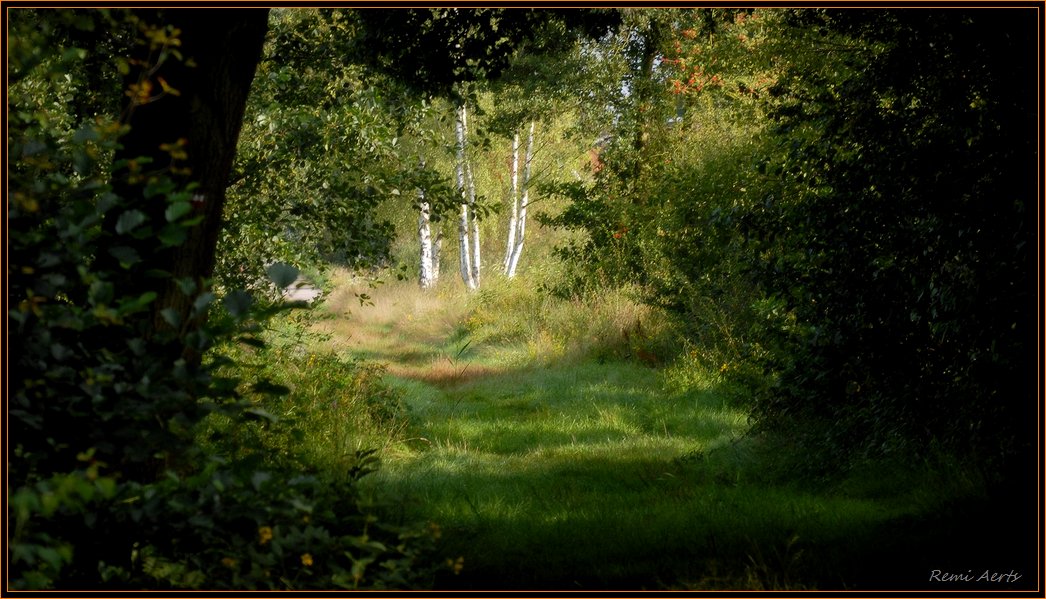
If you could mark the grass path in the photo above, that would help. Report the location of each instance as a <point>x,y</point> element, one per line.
<point>575,474</point>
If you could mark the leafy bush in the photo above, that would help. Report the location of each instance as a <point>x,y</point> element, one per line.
<point>316,156</point>
<point>892,241</point>
<point>239,526</point>
<point>839,227</point>
<point>109,484</point>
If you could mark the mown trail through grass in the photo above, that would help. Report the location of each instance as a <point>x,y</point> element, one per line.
<point>570,472</point>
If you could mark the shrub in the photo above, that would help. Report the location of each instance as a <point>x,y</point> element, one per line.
<point>109,483</point>
<point>892,245</point>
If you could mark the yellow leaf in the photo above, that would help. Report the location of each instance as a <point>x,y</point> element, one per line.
<point>167,88</point>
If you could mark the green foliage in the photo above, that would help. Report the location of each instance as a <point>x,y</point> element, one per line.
<point>644,165</point>
<point>40,553</point>
<point>435,50</point>
<point>830,207</point>
<point>339,406</point>
<point>837,216</point>
<point>318,153</point>
<point>84,350</point>
<point>241,526</point>
<point>109,483</point>
<point>892,243</point>
<point>93,380</point>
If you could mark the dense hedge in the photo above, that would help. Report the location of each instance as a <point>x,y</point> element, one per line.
<point>843,224</point>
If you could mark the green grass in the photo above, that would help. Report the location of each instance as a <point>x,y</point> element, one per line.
<point>578,477</point>
<point>549,459</point>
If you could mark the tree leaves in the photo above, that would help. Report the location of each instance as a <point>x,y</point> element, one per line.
<point>177,210</point>
<point>130,220</point>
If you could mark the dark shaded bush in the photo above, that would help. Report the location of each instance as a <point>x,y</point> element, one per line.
<point>850,244</point>
<point>109,483</point>
<point>894,236</point>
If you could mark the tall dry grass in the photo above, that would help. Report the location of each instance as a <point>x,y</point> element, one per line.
<point>447,335</point>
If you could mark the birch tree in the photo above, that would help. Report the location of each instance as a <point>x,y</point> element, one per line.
<point>473,223</point>
<point>429,272</point>
<point>513,218</point>
<point>430,259</point>
<point>518,218</point>
<point>435,193</point>
<point>467,193</point>
<point>439,51</point>
<point>437,252</point>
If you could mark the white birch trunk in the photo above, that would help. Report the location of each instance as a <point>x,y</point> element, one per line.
<point>464,260</point>
<point>514,202</point>
<point>426,279</point>
<point>474,221</point>
<point>524,200</point>
<point>437,246</point>
<point>464,251</point>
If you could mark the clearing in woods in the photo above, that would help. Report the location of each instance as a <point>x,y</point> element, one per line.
<point>551,468</point>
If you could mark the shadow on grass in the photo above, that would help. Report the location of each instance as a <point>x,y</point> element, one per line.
<point>590,476</point>
<point>640,523</point>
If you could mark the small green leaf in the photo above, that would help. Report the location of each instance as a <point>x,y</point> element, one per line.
<point>73,54</point>
<point>32,147</point>
<point>170,315</point>
<point>60,352</point>
<point>51,556</point>
<point>260,478</point>
<point>129,220</point>
<point>126,255</point>
<point>187,285</point>
<point>85,133</point>
<point>203,301</point>
<point>137,345</point>
<point>301,505</point>
<point>137,304</point>
<point>177,210</point>
<point>100,292</point>
<point>157,187</point>
<point>173,234</point>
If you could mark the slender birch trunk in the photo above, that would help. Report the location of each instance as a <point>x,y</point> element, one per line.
<point>524,200</point>
<point>464,251</point>
<point>427,277</point>
<point>474,222</point>
<point>431,244</point>
<point>437,247</point>
<point>514,202</point>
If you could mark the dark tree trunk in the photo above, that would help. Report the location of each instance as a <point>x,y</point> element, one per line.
<point>220,51</point>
